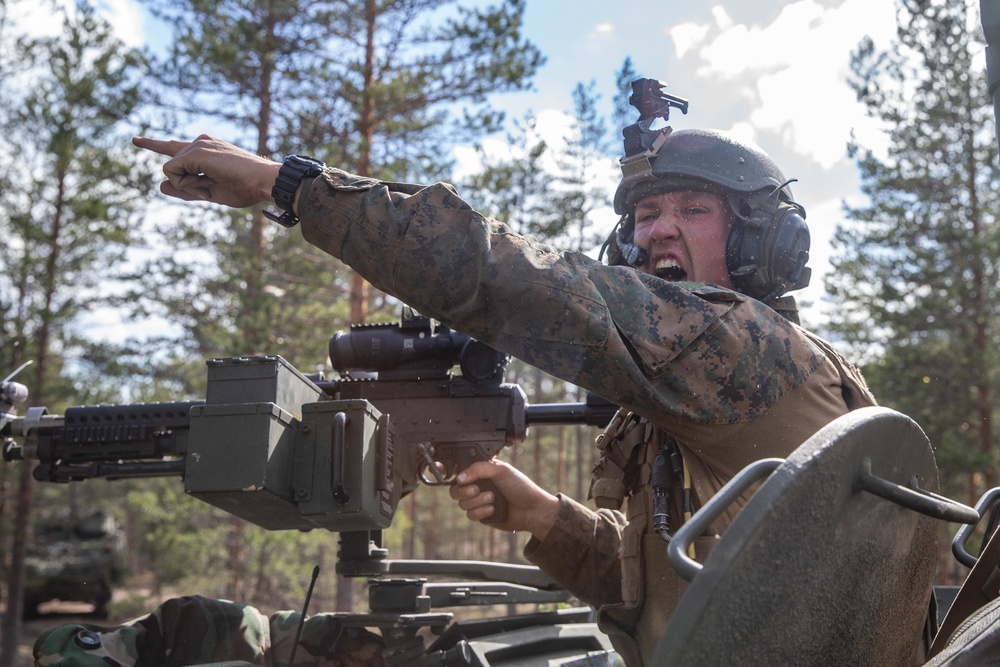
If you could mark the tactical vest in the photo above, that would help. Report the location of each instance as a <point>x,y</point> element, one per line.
<point>628,448</point>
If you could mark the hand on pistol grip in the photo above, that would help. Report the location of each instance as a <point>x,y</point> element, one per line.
<point>440,465</point>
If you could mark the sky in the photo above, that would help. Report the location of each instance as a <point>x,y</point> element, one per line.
<point>772,72</point>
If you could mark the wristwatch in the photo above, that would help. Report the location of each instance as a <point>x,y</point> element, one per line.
<point>293,170</point>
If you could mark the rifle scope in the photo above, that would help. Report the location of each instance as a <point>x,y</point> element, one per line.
<point>414,348</point>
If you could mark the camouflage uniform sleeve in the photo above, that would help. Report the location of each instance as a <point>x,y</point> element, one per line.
<point>195,630</point>
<point>581,552</point>
<point>325,640</point>
<point>678,354</point>
<point>181,631</point>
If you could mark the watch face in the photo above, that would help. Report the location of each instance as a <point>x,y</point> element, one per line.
<point>306,163</point>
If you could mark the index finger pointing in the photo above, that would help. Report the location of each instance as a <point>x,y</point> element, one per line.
<point>170,148</point>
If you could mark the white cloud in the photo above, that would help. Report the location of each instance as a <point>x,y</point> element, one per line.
<point>687,37</point>
<point>744,131</point>
<point>722,17</point>
<point>798,65</point>
<point>124,16</point>
<point>34,20</point>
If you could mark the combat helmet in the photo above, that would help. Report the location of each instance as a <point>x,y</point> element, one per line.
<point>768,247</point>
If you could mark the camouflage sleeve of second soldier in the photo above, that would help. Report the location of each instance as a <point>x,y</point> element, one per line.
<point>581,552</point>
<point>677,353</point>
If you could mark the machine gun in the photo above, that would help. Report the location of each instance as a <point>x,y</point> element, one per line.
<point>288,451</point>
<point>284,451</point>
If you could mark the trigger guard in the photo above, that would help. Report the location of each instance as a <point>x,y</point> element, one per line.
<point>445,474</point>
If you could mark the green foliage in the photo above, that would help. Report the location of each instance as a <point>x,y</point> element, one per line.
<point>385,103</point>
<point>70,208</point>
<point>551,189</point>
<point>309,77</point>
<point>623,113</point>
<point>515,189</point>
<point>67,213</point>
<point>915,277</point>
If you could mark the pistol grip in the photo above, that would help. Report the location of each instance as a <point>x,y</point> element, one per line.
<point>499,502</point>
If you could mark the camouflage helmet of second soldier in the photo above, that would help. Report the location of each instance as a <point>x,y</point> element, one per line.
<point>768,247</point>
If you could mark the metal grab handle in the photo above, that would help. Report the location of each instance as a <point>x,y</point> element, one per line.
<point>915,498</point>
<point>338,446</point>
<point>678,547</point>
<point>962,536</point>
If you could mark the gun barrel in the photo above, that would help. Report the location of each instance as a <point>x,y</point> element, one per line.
<point>596,411</point>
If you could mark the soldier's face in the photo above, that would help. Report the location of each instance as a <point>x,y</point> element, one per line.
<point>685,234</point>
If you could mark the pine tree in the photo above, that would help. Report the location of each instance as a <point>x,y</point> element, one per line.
<point>67,215</point>
<point>363,85</point>
<point>623,113</point>
<point>915,277</point>
<point>515,188</point>
<point>250,65</point>
<point>584,173</point>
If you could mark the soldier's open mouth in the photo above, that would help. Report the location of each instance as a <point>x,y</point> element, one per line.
<point>669,268</point>
<point>671,273</point>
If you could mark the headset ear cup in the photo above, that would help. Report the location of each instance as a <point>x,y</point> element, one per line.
<point>767,258</point>
<point>746,256</point>
<point>789,251</point>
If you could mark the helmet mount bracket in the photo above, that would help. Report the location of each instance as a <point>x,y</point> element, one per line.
<point>642,145</point>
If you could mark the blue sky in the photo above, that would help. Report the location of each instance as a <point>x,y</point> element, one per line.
<point>773,72</point>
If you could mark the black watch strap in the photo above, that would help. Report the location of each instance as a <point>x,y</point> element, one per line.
<point>293,171</point>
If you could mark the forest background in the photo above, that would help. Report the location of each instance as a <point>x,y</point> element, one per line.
<point>905,280</point>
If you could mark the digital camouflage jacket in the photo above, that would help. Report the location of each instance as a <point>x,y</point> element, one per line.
<point>725,376</point>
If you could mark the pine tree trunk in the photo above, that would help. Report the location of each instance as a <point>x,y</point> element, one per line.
<point>12,619</point>
<point>236,563</point>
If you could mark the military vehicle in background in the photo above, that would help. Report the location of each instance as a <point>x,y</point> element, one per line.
<point>74,559</point>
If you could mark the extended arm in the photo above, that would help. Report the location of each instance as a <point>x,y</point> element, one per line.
<point>680,354</point>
